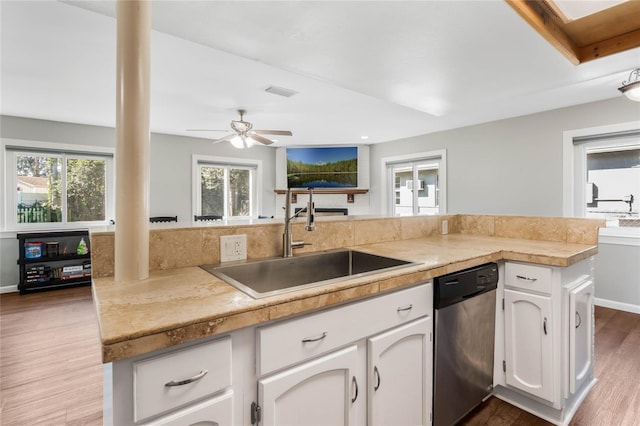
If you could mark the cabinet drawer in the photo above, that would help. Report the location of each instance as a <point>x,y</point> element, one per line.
<point>217,411</point>
<point>292,341</point>
<point>168,381</point>
<point>528,277</point>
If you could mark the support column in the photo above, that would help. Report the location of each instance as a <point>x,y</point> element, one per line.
<point>132,140</point>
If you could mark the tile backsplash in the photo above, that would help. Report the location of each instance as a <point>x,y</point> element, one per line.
<point>192,246</point>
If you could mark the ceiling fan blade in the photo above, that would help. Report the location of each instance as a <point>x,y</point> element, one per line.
<point>260,139</point>
<point>225,138</point>
<point>273,132</point>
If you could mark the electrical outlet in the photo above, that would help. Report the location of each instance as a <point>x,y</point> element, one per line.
<point>233,247</point>
<point>445,227</point>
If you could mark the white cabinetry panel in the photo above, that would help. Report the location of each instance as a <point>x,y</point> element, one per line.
<point>205,367</point>
<point>400,375</point>
<point>528,343</point>
<point>580,334</point>
<point>214,412</point>
<point>317,393</point>
<point>289,342</point>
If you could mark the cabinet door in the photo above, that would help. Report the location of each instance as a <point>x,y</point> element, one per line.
<point>528,343</point>
<point>580,334</point>
<point>214,412</point>
<point>400,375</point>
<point>317,393</point>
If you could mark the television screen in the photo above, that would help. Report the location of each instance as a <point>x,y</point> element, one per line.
<point>322,167</point>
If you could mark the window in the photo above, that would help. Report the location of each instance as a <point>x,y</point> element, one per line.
<point>606,176</point>
<point>416,182</point>
<point>225,188</point>
<point>50,188</point>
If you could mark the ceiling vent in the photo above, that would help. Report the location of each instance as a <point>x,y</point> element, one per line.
<point>280,91</point>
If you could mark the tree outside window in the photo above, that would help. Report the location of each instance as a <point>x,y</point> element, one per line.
<point>225,191</point>
<point>60,188</point>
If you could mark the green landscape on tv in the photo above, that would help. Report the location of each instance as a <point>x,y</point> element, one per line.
<point>322,167</point>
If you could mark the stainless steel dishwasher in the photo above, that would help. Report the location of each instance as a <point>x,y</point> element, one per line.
<point>465,311</point>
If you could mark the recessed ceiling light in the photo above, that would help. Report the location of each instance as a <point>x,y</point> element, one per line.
<point>364,137</point>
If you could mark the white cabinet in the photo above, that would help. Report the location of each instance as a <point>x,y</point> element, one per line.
<point>316,393</point>
<point>544,338</point>
<point>400,375</point>
<point>580,334</point>
<point>164,382</point>
<point>213,412</point>
<point>192,384</point>
<point>368,362</point>
<point>308,370</point>
<point>528,344</point>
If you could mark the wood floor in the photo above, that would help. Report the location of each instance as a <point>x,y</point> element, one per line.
<point>51,372</point>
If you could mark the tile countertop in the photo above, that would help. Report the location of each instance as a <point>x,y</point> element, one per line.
<point>179,305</point>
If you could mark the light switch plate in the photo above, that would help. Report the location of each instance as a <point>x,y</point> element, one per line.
<point>233,247</point>
<point>445,227</point>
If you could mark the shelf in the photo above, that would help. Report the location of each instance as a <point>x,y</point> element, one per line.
<point>53,234</point>
<point>55,284</point>
<point>47,259</point>
<point>48,267</point>
<point>350,193</point>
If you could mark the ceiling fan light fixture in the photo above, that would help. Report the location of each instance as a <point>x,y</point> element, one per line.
<point>242,141</point>
<point>631,87</point>
<point>237,142</point>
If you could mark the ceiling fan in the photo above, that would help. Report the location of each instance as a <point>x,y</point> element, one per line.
<point>243,135</point>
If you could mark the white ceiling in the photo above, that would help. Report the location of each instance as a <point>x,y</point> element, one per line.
<point>387,70</point>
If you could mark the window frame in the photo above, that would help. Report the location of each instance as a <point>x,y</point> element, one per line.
<point>198,161</point>
<point>388,185</point>
<point>11,148</point>
<point>575,145</point>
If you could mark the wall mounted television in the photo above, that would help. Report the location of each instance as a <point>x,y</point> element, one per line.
<point>322,167</point>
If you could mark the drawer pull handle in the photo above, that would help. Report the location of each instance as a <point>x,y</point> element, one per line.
<point>520,277</point>
<point>376,373</point>
<point>405,308</point>
<point>544,326</point>
<point>195,378</point>
<point>355,383</point>
<point>315,339</point>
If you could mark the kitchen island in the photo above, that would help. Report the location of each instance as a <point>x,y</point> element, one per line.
<point>177,307</point>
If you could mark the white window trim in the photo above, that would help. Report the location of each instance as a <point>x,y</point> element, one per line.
<point>388,197</point>
<point>8,219</point>
<point>197,160</point>
<point>572,203</point>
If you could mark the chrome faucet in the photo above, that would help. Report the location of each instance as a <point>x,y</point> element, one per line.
<point>287,238</point>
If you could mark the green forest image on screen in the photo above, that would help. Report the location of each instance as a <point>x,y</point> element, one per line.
<point>322,167</point>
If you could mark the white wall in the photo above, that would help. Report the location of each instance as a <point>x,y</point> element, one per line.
<point>511,166</point>
<point>170,192</point>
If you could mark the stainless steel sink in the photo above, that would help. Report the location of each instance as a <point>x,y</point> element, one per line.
<point>269,277</point>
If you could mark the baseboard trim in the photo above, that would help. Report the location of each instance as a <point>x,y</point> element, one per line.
<point>8,289</point>
<point>621,306</point>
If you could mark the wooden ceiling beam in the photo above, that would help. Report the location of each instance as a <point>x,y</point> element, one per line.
<point>611,46</point>
<point>541,21</point>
